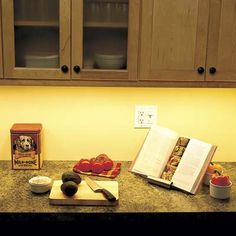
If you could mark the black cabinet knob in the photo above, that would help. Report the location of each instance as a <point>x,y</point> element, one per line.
<point>65,68</point>
<point>212,70</point>
<point>76,69</point>
<point>200,70</point>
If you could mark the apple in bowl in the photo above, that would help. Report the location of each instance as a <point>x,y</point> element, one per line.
<point>220,186</point>
<point>211,169</point>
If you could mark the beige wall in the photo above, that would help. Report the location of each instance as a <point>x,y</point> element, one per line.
<point>84,122</point>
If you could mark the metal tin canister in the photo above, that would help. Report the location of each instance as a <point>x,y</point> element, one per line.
<point>26,146</point>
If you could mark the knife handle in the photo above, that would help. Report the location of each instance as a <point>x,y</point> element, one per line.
<point>109,196</point>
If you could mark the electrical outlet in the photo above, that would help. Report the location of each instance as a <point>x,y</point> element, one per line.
<point>145,116</point>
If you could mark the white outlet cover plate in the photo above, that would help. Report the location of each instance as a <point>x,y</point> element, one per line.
<point>145,116</point>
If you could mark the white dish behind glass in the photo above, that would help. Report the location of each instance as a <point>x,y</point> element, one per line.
<point>38,61</point>
<point>110,61</point>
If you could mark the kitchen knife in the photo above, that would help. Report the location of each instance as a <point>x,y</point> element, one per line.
<point>98,189</point>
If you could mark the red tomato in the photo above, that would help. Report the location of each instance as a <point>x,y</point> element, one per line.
<point>84,165</point>
<point>93,159</point>
<point>97,167</point>
<point>108,164</point>
<point>102,157</point>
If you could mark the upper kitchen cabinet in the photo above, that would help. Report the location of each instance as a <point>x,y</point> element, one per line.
<point>174,40</point>
<point>191,41</point>
<point>71,40</point>
<point>36,38</point>
<point>221,52</point>
<point>105,36</point>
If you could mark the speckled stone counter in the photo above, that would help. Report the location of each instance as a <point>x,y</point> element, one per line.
<point>135,196</point>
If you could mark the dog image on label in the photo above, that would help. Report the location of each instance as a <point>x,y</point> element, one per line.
<point>24,144</point>
<point>25,154</point>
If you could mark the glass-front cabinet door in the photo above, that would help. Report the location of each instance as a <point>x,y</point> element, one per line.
<point>1,56</point>
<point>36,38</point>
<point>105,39</point>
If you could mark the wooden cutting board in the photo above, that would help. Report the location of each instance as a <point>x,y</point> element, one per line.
<point>84,195</point>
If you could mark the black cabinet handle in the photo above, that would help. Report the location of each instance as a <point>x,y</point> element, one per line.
<point>200,70</point>
<point>65,68</point>
<point>76,69</point>
<point>212,70</point>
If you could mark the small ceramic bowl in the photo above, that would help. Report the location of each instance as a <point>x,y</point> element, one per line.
<point>40,184</point>
<point>220,192</point>
<point>110,61</point>
<point>206,179</point>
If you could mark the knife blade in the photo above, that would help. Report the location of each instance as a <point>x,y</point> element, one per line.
<point>98,189</point>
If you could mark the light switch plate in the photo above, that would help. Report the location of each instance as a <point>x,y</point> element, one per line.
<point>145,116</point>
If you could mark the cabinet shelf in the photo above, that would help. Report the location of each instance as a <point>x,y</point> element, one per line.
<point>37,23</point>
<point>105,24</point>
<point>95,24</point>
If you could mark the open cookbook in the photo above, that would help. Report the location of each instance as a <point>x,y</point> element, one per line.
<point>170,160</point>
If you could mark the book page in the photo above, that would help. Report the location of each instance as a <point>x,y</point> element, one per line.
<point>194,159</point>
<point>155,151</point>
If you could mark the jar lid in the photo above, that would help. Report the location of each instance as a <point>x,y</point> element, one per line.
<point>26,127</point>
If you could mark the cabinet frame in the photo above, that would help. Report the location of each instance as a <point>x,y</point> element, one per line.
<point>10,71</point>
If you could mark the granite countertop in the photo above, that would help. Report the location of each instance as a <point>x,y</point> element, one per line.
<point>135,194</point>
<point>142,206</point>
<point>140,203</point>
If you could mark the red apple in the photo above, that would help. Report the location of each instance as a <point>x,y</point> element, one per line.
<point>221,180</point>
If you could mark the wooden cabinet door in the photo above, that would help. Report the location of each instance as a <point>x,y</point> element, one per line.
<point>106,30</point>
<point>173,40</point>
<point>1,56</point>
<point>221,53</point>
<point>36,39</point>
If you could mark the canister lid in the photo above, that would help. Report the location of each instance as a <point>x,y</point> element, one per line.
<point>26,127</point>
